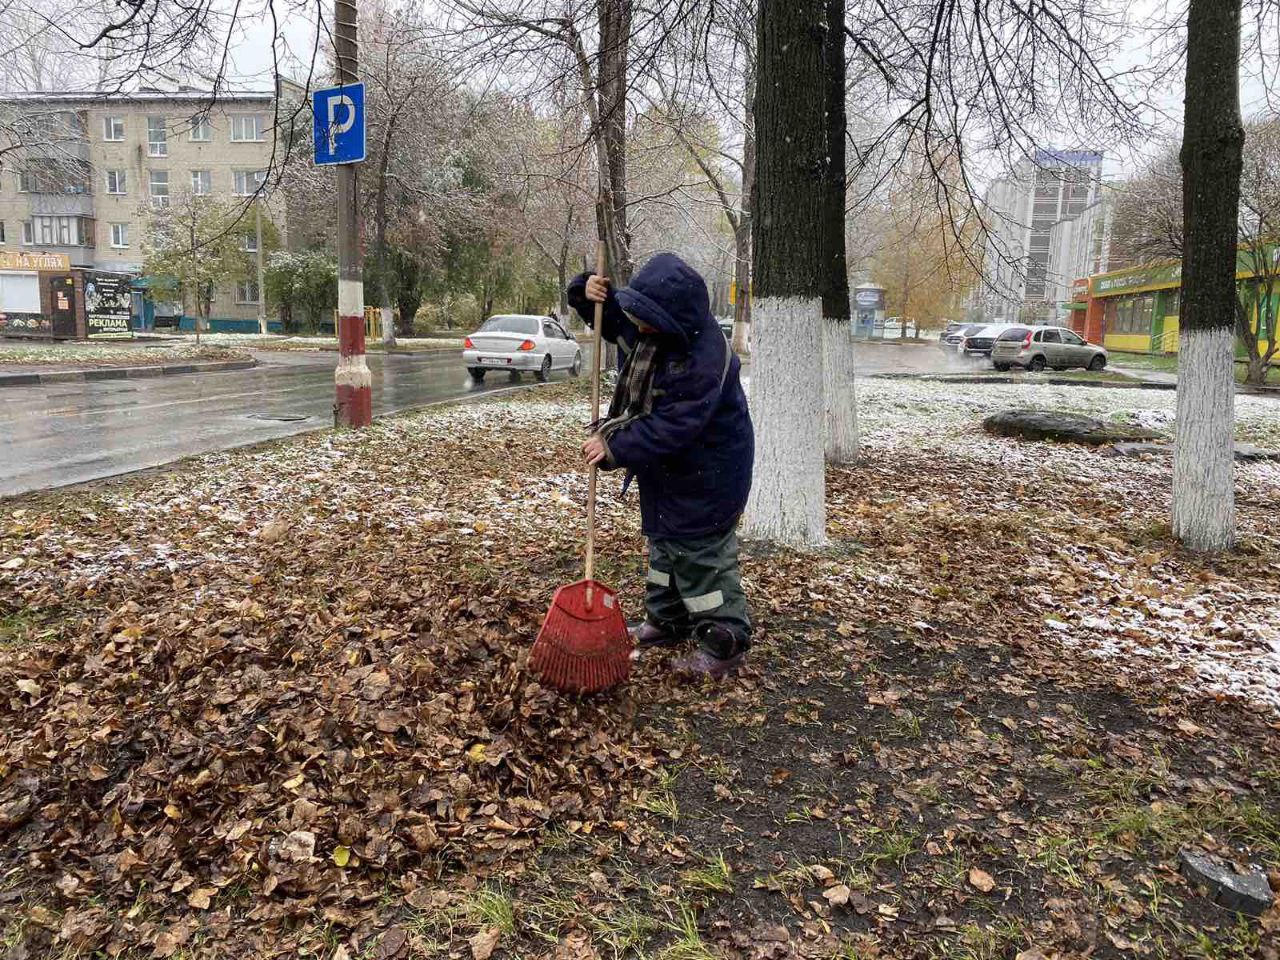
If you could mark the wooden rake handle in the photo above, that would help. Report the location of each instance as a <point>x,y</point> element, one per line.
<point>595,415</point>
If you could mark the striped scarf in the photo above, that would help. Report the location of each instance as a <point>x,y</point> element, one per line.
<point>633,397</point>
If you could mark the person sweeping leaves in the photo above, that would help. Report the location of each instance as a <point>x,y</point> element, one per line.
<point>678,423</point>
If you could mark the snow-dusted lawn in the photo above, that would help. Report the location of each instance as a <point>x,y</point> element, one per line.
<point>274,341</point>
<point>102,354</point>
<point>1068,520</point>
<point>1158,612</point>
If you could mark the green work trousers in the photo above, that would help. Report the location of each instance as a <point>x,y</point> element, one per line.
<point>696,580</point>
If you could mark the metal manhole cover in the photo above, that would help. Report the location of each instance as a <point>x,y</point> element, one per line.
<point>279,417</point>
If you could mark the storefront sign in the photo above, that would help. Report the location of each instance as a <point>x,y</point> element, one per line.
<point>1080,289</point>
<point>22,260</point>
<point>869,298</point>
<point>106,305</point>
<point>1163,275</point>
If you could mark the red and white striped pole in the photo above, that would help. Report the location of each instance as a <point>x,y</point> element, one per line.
<point>353,392</point>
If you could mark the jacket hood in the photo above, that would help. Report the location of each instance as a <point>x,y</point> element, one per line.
<point>668,295</point>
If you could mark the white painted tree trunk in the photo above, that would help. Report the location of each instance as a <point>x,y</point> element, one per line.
<point>388,318</point>
<point>839,391</point>
<point>1204,505</point>
<point>787,503</point>
<point>742,338</point>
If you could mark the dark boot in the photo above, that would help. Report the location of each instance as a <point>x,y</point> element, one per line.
<point>720,653</point>
<point>648,635</point>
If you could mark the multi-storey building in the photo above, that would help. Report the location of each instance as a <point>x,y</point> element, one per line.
<point>88,172</point>
<point>1080,246</point>
<point>1022,210</point>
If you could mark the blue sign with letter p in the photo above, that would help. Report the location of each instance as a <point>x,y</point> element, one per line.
<point>338,124</point>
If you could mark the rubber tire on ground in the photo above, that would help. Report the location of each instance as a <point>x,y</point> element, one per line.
<point>477,373</point>
<point>1002,367</point>
<point>576,369</point>
<point>1036,365</point>
<point>1097,363</point>
<point>544,371</point>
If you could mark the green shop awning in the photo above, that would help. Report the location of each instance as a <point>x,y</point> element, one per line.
<point>1076,306</point>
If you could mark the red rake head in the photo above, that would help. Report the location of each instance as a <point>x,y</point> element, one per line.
<point>583,645</point>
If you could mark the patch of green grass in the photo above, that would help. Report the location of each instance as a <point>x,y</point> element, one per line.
<point>887,847</point>
<point>906,725</point>
<point>547,915</point>
<point>490,906</point>
<point>19,628</point>
<point>994,941</point>
<point>714,876</point>
<point>661,803</point>
<point>1058,856</point>
<point>688,943</point>
<point>625,928</point>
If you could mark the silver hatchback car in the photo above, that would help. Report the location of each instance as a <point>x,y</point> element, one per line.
<point>1035,348</point>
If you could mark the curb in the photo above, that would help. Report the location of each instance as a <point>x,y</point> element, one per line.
<point>1047,381</point>
<point>120,373</point>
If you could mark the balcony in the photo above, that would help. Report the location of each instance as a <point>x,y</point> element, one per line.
<point>62,204</point>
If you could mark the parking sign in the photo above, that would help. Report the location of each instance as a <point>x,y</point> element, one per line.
<point>338,124</point>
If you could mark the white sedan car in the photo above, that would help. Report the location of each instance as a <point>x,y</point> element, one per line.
<point>519,342</point>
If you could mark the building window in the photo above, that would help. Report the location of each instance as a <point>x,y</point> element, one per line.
<point>61,231</point>
<point>247,291</point>
<point>158,188</point>
<point>201,130</point>
<point>119,235</point>
<point>247,127</point>
<point>247,182</point>
<point>157,137</point>
<point>201,183</point>
<point>116,182</point>
<point>28,181</point>
<point>248,243</point>
<point>113,129</point>
<point>1,231</point>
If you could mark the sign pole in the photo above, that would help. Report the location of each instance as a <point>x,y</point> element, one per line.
<point>353,400</point>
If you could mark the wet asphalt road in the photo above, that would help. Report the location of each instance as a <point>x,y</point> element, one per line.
<point>66,433</point>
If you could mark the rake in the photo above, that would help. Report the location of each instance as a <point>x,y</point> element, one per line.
<point>584,646</point>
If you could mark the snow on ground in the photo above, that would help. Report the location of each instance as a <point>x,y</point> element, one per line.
<point>97,354</point>
<point>1213,634</point>
<point>1140,619</point>
<point>279,341</point>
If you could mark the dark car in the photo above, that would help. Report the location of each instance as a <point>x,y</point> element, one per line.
<point>956,332</point>
<point>980,342</point>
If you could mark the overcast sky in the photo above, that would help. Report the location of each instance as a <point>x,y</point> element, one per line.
<point>252,65</point>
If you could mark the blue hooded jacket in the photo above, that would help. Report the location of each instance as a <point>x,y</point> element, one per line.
<point>692,454</point>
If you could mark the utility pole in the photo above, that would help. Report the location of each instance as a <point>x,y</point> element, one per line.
<point>353,394</point>
<point>262,285</point>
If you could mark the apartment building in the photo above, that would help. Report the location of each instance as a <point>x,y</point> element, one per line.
<point>90,170</point>
<point>1079,247</point>
<point>1023,208</point>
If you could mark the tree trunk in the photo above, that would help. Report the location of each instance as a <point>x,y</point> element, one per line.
<point>742,233</point>
<point>839,389</point>
<point>787,499</point>
<point>384,266</point>
<point>742,285</point>
<point>615,47</point>
<point>562,269</point>
<point>1212,159</point>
